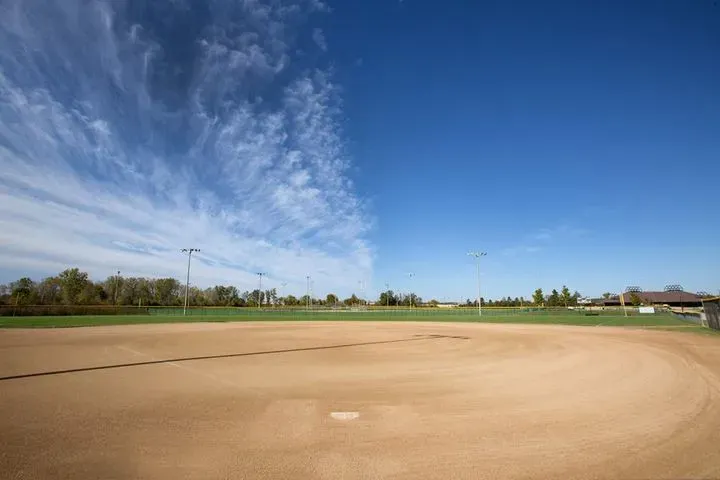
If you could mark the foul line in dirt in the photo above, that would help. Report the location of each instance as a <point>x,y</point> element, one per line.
<point>229,355</point>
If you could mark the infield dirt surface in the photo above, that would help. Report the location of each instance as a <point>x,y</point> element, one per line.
<point>433,401</point>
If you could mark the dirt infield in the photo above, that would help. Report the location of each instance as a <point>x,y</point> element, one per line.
<point>441,401</point>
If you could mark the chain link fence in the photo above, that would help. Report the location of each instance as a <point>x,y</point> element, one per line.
<point>712,312</point>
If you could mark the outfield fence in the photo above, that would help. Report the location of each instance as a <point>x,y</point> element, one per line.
<point>315,311</point>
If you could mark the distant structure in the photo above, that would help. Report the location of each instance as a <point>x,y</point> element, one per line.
<point>673,298</point>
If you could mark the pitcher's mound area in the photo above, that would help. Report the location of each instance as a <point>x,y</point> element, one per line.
<point>358,400</point>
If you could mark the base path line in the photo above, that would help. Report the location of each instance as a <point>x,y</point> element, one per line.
<point>182,367</point>
<point>225,355</point>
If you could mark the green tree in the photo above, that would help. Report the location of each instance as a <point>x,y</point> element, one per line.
<point>167,291</point>
<point>554,299</point>
<point>23,292</point>
<point>606,295</point>
<point>290,300</point>
<point>566,296</point>
<point>73,282</point>
<point>387,298</point>
<point>538,297</point>
<point>635,299</point>
<point>353,300</point>
<point>49,291</point>
<point>331,299</point>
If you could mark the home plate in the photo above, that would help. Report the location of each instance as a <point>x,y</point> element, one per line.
<point>345,415</point>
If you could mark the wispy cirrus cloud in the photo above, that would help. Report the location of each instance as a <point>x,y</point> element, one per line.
<point>129,130</point>
<point>543,238</point>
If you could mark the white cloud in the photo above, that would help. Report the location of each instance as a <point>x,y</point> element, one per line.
<point>319,39</point>
<point>118,147</point>
<point>543,238</point>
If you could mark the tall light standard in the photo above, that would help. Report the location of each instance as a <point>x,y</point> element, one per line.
<point>410,276</point>
<point>387,295</point>
<point>189,251</point>
<point>632,290</point>
<point>477,256</point>
<point>260,275</point>
<point>282,289</point>
<point>361,284</point>
<point>308,292</point>
<point>117,286</point>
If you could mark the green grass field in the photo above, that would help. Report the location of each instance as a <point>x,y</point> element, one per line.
<point>564,318</point>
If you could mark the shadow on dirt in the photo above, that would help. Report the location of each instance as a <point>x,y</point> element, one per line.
<point>229,355</point>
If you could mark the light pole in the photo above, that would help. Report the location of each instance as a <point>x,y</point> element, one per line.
<point>117,286</point>
<point>410,276</point>
<point>260,275</point>
<point>387,295</point>
<point>477,256</point>
<point>361,284</point>
<point>633,289</point>
<point>676,288</point>
<point>308,291</point>
<point>189,251</point>
<point>282,289</point>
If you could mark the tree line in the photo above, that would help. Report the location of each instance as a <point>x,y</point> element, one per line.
<point>74,287</point>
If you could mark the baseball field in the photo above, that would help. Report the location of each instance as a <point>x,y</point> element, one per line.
<point>358,400</point>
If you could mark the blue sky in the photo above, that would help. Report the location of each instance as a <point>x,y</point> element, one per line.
<point>577,143</point>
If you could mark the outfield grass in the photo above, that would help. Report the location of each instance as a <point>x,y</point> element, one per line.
<point>529,318</point>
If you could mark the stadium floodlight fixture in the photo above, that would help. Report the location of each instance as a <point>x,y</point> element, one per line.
<point>260,275</point>
<point>477,256</point>
<point>633,289</point>
<point>674,287</point>
<point>189,252</point>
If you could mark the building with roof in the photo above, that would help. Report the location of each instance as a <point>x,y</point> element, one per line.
<point>672,299</point>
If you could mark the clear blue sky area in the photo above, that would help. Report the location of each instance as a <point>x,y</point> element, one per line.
<point>576,142</point>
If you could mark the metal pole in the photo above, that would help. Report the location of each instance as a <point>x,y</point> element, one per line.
<point>410,297</point>
<point>477,256</point>
<point>260,274</point>
<point>189,251</point>
<point>117,286</point>
<point>387,295</point>
<point>308,292</point>
<point>479,295</point>
<point>187,284</point>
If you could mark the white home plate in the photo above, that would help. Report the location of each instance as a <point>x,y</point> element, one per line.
<point>345,415</point>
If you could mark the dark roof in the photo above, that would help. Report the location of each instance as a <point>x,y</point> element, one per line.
<point>662,297</point>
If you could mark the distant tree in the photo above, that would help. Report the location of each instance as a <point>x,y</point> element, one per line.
<point>635,299</point>
<point>23,291</point>
<point>538,297</point>
<point>388,298</point>
<point>167,291</point>
<point>49,291</point>
<point>73,282</point>
<point>606,295</point>
<point>566,296</point>
<point>433,303</point>
<point>554,299</point>
<point>575,297</point>
<point>353,300</point>
<point>331,299</point>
